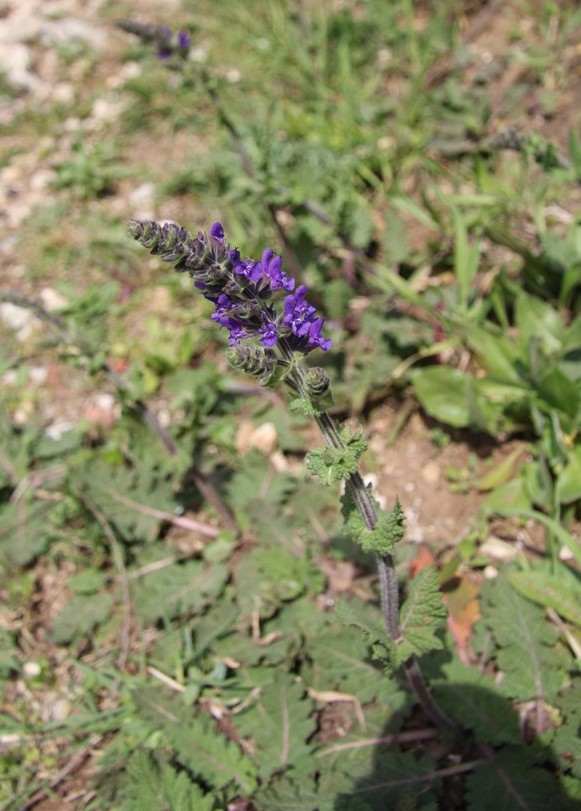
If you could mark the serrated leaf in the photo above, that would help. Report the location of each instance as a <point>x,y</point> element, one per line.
<point>198,745</point>
<point>380,780</point>
<point>177,589</point>
<point>423,616</point>
<point>332,465</point>
<point>209,755</point>
<point>511,781</point>
<point>80,616</point>
<point>289,793</point>
<point>567,741</point>
<point>526,654</point>
<point>24,531</point>
<point>154,786</point>
<point>476,703</point>
<point>279,723</point>
<point>340,661</point>
<point>131,498</point>
<point>272,576</point>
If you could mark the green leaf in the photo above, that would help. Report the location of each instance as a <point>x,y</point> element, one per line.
<point>388,531</point>
<point>272,576</point>
<point>25,530</point>
<point>510,781</point>
<point>497,354</point>
<point>340,660</point>
<point>556,591</point>
<point>332,465</point>
<point>154,785</point>
<point>80,616</point>
<point>559,391</point>
<point>526,653</point>
<point>199,746</point>
<point>501,474</point>
<point>568,485</point>
<point>466,258</point>
<point>131,498</point>
<point>290,793</point>
<point>443,394</point>
<point>279,725</point>
<point>176,590</point>
<point>381,780</point>
<point>423,616</point>
<point>476,703</point>
<point>567,741</point>
<point>208,754</point>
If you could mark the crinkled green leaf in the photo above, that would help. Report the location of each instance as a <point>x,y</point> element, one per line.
<point>382,780</point>
<point>340,659</point>
<point>270,576</point>
<point>153,786</point>
<point>130,498</point>
<point>567,741</point>
<point>477,703</point>
<point>333,464</point>
<point>526,655</point>
<point>176,590</point>
<point>290,793</point>
<point>279,723</point>
<point>388,531</point>
<point>25,530</point>
<point>511,780</point>
<point>199,745</point>
<point>423,616</point>
<point>80,616</point>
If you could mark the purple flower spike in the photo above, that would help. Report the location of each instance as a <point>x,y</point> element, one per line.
<point>243,291</point>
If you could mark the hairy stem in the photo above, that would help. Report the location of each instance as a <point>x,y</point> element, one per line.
<point>385,563</point>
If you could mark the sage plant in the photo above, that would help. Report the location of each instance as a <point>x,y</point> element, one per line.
<point>271,328</point>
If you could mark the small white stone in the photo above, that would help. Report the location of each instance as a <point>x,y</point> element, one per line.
<point>52,300</point>
<point>58,429</point>
<point>38,375</point>
<point>499,549</point>
<point>565,554</point>
<point>18,319</point>
<point>31,669</point>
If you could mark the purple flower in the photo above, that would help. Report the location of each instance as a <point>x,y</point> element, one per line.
<point>184,40</point>
<point>298,313</point>
<point>315,337</point>
<point>271,266</point>
<point>217,230</point>
<point>269,333</point>
<point>243,291</point>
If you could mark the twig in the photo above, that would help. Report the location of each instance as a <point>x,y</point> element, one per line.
<point>167,680</point>
<point>176,520</point>
<point>71,766</point>
<point>400,737</point>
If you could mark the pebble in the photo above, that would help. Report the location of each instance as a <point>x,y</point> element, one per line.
<point>18,319</point>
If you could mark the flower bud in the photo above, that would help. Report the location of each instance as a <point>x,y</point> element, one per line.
<point>253,360</point>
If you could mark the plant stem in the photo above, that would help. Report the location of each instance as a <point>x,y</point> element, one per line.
<point>385,564</point>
